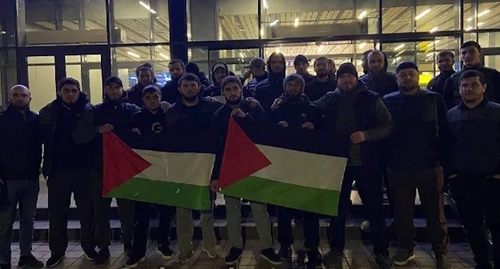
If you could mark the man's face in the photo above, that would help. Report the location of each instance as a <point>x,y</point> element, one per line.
<point>176,70</point>
<point>471,89</point>
<point>294,87</point>
<point>376,62</point>
<point>69,93</point>
<point>257,71</point>
<point>301,68</point>
<point>114,91</point>
<point>470,56</point>
<point>219,74</point>
<point>445,63</point>
<point>152,100</point>
<point>232,91</point>
<point>347,82</point>
<point>407,79</point>
<point>333,67</point>
<point>20,97</point>
<point>145,77</point>
<point>321,68</point>
<point>189,89</point>
<point>277,64</point>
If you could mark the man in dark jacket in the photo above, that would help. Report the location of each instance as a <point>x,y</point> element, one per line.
<point>474,165</point>
<point>355,112</point>
<point>364,62</point>
<point>378,79</point>
<point>66,166</point>
<point>193,68</point>
<point>170,92</point>
<point>20,157</point>
<point>301,63</point>
<point>145,76</point>
<point>258,70</point>
<point>445,60</point>
<point>113,114</point>
<point>415,150</point>
<point>470,52</point>
<point>322,82</point>
<point>271,88</point>
<point>219,72</point>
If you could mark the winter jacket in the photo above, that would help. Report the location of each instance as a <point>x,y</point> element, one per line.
<point>269,89</point>
<point>152,128</point>
<point>170,91</point>
<point>250,87</point>
<point>437,84</point>
<point>191,119</point>
<point>297,112</point>
<point>382,83</point>
<point>316,89</point>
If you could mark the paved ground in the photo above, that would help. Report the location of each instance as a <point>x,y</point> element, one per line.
<point>356,255</point>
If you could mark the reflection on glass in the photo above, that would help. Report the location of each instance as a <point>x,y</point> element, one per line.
<point>489,40</point>
<point>482,15</point>
<point>41,79</point>
<point>87,70</point>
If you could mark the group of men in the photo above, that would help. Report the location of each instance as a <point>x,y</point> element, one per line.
<point>393,127</point>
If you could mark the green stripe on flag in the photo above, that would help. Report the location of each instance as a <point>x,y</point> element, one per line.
<point>258,189</point>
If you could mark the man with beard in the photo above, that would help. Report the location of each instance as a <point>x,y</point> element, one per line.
<point>474,165</point>
<point>445,60</point>
<point>271,88</point>
<point>322,83</point>
<point>219,72</point>
<point>471,59</point>
<point>415,150</point>
<point>170,92</point>
<point>301,63</point>
<point>20,157</point>
<point>66,166</point>
<point>258,70</point>
<point>378,79</point>
<point>236,106</point>
<point>191,115</point>
<point>364,62</point>
<point>113,114</point>
<point>145,76</point>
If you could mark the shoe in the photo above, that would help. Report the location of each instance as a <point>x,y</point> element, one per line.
<point>212,252</point>
<point>365,226</point>
<point>284,253</point>
<point>102,256</point>
<point>384,262</point>
<point>269,255</point>
<point>134,260</point>
<point>29,262</point>
<point>184,257</point>
<point>90,255</point>
<point>314,258</point>
<point>442,262</point>
<point>233,256</point>
<point>5,266</point>
<point>127,248</point>
<point>403,257</point>
<point>166,253</point>
<point>54,260</point>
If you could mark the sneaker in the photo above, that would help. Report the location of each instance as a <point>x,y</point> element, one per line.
<point>314,258</point>
<point>90,255</point>
<point>166,253</point>
<point>29,262</point>
<point>184,257</point>
<point>384,262</point>
<point>211,252</point>
<point>442,262</point>
<point>102,256</point>
<point>134,260</point>
<point>5,266</point>
<point>269,255</point>
<point>403,257</point>
<point>54,260</point>
<point>233,256</point>
<point>284,253</point>
<point>127,248</point>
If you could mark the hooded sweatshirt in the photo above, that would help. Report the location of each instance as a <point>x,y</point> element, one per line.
<point>315,89</point>
<point>382,83</point>
<point>215,89</point>
<point>134,94</point>
<point>250,87</point>
<point>271,88</point>
<point>192,67</point>
<point>297,110</point>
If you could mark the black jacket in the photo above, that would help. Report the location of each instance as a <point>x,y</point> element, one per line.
<point>170,92</point>
<point>191,119</point>
<point>134,95</point>
<point>20,145</point>
<point>382,83</point>
<point>269,89</point>
<point>297,112</point>
<point>316,89</point>
<point>437,84</point>
<point>250,87</point>
<point>152,128</point>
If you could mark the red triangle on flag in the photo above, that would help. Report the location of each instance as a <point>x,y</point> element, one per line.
<point>120,162</point>
<point>241,156</point>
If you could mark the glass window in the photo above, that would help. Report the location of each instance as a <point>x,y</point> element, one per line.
<point>8,74</point>
<point>222,20</point>
<point>481,14</point>
<point>87,70</point>
<point>125,61</point>
<point>489,40</point>
<point>298,18</point>
<point>41,79</point>
<point>7,24</point>
<point>144,21</point>
<point>68,21</point>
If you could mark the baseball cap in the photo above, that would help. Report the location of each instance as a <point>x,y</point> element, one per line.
<point>256,62</point>
<point>219,65</point>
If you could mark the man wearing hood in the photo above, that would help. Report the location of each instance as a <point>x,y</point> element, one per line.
<point>145,76</point>
<point>193,68</point>
<point>113,114</point>
<point>471,58</point>
<point>258,70</point>
<point>333,69</point>
<point>170,92</point>
<point>301,63</point>
<point>355,112</point>
<point>364,62</point>
<point>322,82</point>
<point>378,79</point>
<point>445,60</point>
<point>271,88</point>
<point>66,166</point>
<point>219,72</point>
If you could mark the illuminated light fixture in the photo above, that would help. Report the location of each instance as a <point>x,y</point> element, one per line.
<point>261,32</point>
<point>398,58</point>
<point>274,22</point>
<point>146,6</point>
<point>425,12</point>
<point>401,52</point>
<point>296,22</point>
<point>163,55</point>
<point>483,13</point>
<point>433,29</point>
<point>480,24</point>
<point>430,54</point>
<point>469,19</point>
<point>277,50</point>
<point>362,15</point>
<point>362,45</point>
<point>241,55</point>
<point>320,48</point>
<point>265,4</point>
<point>468,28</point>
<point>3,32</point>
<point>399,47</point>
<point>133,54</point>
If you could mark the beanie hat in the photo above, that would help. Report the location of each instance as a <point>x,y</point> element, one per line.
<point>113,79</point>
<point>347,68</point>
<point>192,67</point>
<point>405,65</point>
<point>142,67</point>
<point>300,59</point>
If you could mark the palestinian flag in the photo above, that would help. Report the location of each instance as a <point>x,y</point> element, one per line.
<point>177,173</point>
<point>301,169</point>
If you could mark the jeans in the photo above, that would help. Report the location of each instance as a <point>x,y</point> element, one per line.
<point>141,227</point>
<point>24,193</point>
<point>310,227</point>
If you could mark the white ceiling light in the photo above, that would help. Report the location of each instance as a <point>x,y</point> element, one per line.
<point>265,4</point>
<point>274,22</point>
<point>296,22</point>
<point>277,50</point>
<point>425,12</point>
<point>433,29</point>
<point>362,15</point>
<point>480,24</point>
<point>320,48</point>
<point>146,6</point>
<point>398,58</point>
<point>399,47</point>
<point>163,55</point>
<point>3,32</point>
<point>468,28</point>
<point>469,19</point>
<point>483,13</point>
<point>261,32</point>
<point>401,52</point>
<point>362,45</point>
<point>430,54</point>
<point>241,55</point>
<point>133,54</point>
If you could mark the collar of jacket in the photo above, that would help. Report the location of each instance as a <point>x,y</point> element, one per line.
<point>464,107</point>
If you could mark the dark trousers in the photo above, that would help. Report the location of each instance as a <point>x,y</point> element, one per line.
<point>311,227</point>
<point>478,199</point>
<point>369,185</point>
<point>61,183</point>
<point>102,207</point>
<point>24,193</point>
<point>142,214</point>
<point>429,183</point>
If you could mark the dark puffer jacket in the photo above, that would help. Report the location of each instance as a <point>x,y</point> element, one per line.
<point>382,83</point>
<point>271,88</point>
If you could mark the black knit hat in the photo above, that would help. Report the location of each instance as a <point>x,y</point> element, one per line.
<point>145,66</point>
<point>347,68</point>
<point>300,59</point>
<point>113,79</point>
<point>405,65</point>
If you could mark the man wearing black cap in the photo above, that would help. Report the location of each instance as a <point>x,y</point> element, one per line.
<point>378,79</point>
<point>355,112</point>
<point>66,166</point>
<point>258,70</point>
<point>322,82</point>
<point>301,63</point>
<point>219,72</point>
<point>271,88</point>
<point>415,151</point>
<point>113,114</point>
<point>145,76</point>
